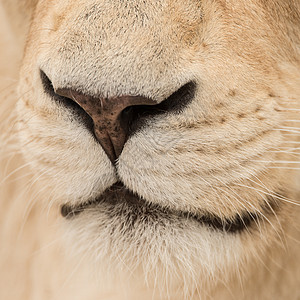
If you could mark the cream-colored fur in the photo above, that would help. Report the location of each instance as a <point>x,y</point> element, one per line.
<point>233,149</point>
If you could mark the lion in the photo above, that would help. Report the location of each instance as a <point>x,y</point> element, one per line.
<point>150,149</point>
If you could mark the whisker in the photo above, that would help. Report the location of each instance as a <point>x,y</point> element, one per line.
<point>286,130</point>
<point>277,161</point>
<point>289,109</point>
<point>15,171</point>
<point>290,142</point>
<point>293,121</point>
<point>278,197</point>
<point>286,168</point>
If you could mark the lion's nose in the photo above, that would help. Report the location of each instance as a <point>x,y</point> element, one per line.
<point>111,117</point>
<point>115,118</point>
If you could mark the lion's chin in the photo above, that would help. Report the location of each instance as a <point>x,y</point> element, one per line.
<point>136,209</point>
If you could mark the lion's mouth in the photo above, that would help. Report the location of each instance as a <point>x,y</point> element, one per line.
<point>118,194</point>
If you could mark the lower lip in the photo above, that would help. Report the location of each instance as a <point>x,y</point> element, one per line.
<point>118,193</point>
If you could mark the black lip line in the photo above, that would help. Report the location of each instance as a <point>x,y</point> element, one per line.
<point>236,224</point>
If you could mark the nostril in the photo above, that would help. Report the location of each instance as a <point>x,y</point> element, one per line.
<point>49,89</point>
<point>179,99</point>
<point>175,103</point>
<point>47,84</point>
<point>128,110</point>
<point>67,102</point>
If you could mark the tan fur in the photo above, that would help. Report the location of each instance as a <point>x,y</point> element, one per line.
<point>232,149</point>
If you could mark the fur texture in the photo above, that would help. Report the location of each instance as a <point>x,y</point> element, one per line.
<point>234,149</point>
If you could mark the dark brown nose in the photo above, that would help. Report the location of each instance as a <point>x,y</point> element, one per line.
<point>111,117</point>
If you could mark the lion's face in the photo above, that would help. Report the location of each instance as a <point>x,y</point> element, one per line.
<point>193,178</point>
